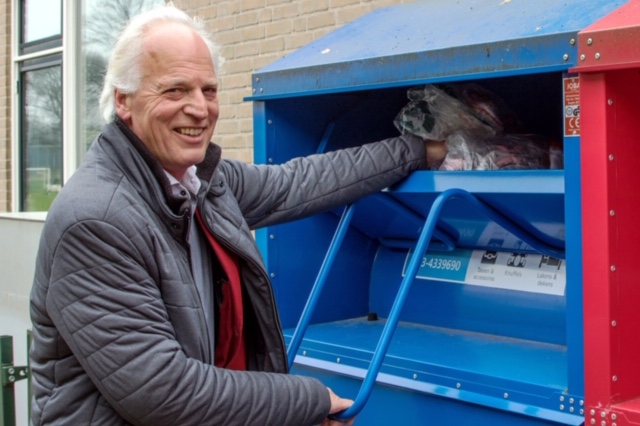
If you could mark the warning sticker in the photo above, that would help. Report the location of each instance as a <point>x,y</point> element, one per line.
<point>571,90</point>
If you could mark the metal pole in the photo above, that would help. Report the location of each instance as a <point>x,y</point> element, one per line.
<point>7,397</point>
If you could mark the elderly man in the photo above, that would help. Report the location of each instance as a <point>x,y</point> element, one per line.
<point>151,304</point>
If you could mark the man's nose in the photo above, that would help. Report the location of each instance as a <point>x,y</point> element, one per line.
<point>197,105</point>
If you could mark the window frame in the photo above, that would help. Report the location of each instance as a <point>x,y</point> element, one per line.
<point>24,67</point>
<point>69,48</point>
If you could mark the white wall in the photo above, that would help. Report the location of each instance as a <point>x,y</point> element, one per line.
<point>19,237</point>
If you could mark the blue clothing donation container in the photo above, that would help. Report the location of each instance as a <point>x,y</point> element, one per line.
<point>454,297</point>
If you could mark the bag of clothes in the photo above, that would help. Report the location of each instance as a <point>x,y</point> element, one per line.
<point>470,128</point>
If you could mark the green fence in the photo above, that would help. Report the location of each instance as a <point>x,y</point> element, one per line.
<point>10,375</point>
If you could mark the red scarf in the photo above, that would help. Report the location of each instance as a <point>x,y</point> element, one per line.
<point>230,345</point>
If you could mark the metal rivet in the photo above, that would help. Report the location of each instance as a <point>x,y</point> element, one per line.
<point>603,423</point>
<point>571,400</point>
<point>561,398</point>
<point>592,412</point>
<point>614,378</point>
<point>254,91</point>
<point>458,385</point>
<point>583,57</point>
<point>272,237</point>
<point>261,90</point>
<point>338,360</point>
<point>272,275</point>
<point>257,79</point>
<point>10,370</point>
<point>589,41</point>
<point>614,416</point>
<point>270,160</point>
<point>572,41</point>
<point>269,121</point>
<point>603,414</point>
<point>12,379</point>
<point>612,213</point>
<point>565,57</point>
<point>304,353</point>
<point>561,407</point>
<point>597,55</point>
<point>614,323</point>
<point>571,409</point>
<point>593,421</point>
<point>506,395</point>
<point>610,101</point>
<point>613,268</point>
<point>582,403</point>
<point>581,412</point>
<point>415,376</point>
<point>611,157</point>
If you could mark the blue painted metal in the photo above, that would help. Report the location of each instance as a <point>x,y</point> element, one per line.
<point>415,402</point>
<point>574,295</point>
<point>493,311</point>
<point>344,90</point>
<point>394,315</point>
<point>445,357</point>
<point>529,198</point>
<point>434,40</point>
<point>310,306</point>
<point>410,274</point>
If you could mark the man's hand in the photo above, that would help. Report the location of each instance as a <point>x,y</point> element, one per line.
<point>338,404</point>
<point>436,152</point>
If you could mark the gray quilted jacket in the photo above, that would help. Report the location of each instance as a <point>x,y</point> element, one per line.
<point>119,332</point>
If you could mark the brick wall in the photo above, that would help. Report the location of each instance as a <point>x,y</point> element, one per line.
<point>254,33</point>
<point>5,105</point>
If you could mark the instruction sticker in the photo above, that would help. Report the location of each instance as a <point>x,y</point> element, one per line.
<point>536,273</point>
<point>571,91</point>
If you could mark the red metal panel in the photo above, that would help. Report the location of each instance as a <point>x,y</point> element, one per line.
<point>611,234</point>
<point>613,42</point>
<point>627,413</point>
<point>596,252</point>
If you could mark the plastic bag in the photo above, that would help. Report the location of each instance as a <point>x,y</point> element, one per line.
<point>487,106</point>
<point>436,112</point>
<point>478,129</point>
<point>433,114</point>
<point>500,152</point>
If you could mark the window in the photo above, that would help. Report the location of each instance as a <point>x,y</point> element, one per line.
<point>40,103</point>
<point>56,114</point>
<point>41,119</point>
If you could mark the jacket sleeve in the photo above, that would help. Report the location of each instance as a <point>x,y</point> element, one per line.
<point>269,194</point>
<point>109,311</point>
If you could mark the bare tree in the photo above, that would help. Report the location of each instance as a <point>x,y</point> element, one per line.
<point>106,19</point>
<point>103,22</point>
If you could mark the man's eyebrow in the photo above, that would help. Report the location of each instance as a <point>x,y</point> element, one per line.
<point>170,82</point>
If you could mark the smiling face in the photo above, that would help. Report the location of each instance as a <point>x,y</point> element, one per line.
<point>175,109</point>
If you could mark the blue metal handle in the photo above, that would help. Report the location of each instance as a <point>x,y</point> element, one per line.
<point>394,315</point>
<point>310,306</point>
<point>410,274</point>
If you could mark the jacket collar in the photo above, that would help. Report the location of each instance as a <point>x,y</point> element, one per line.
<point>205,171</point>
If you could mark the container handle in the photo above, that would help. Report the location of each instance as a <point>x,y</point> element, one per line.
<point>412,269</point>
<point>312,301</point>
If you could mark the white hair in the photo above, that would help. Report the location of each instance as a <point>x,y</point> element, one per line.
<point>123,70</point>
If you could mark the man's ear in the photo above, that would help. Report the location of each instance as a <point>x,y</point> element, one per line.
<point>123,109</point>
